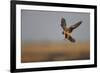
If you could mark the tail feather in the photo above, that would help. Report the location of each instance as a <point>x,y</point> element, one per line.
<point>70,38</point>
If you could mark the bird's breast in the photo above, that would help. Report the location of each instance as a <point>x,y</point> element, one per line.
<point>67,33</point>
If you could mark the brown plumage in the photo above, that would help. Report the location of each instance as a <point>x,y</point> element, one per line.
<point>67,31</point>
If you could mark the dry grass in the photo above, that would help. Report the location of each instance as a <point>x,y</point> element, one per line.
<point>54,51</point>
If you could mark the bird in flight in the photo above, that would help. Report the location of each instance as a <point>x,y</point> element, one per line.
<point>67,31</point>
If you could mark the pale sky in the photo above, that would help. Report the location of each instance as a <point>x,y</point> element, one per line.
<point>45,25</point>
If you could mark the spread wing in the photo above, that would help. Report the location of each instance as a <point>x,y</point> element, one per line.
<point>71,28</point>
<point>63,23</point>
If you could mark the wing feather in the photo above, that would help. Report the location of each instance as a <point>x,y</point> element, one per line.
<point>63,23</point>
<point>71,28</point>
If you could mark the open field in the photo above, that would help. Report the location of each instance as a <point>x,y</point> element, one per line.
<point>54,51</point>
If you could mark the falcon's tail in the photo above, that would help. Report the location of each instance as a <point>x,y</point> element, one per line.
<point>70,38</point>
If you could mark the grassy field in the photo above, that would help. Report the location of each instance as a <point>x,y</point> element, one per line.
<point>54,51</point>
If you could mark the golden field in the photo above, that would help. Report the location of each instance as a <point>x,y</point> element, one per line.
<point>54,51</point>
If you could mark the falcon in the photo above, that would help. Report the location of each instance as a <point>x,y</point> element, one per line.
<point>68,31</point>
